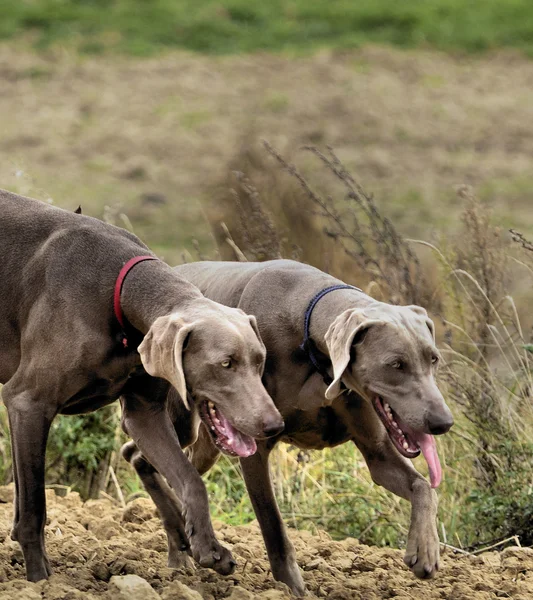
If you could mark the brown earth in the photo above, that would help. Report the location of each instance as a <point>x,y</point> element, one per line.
<point>90,543</point>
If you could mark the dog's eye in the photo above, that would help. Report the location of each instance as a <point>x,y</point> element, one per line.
<point>434,359</point>
<point>397,364</point>
<point>226,363</point>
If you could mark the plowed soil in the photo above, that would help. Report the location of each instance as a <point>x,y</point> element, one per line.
<point>88,543</point>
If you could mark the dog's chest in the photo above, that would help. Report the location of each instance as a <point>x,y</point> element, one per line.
<point>100,388</point>
<point>315,430</point>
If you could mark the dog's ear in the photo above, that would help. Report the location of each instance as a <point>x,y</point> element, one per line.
<point>162,351</point>
<point>422,312</point>
<point>253,323</point>
<point>340,336</point>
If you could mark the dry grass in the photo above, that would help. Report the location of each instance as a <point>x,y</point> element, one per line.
<point>364,234</point>
<point>520,238</point>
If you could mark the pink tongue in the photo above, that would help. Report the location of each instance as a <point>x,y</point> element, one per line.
<point>429,450</point>
<point>243,445</point>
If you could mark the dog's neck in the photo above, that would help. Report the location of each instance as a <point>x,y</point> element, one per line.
<point>151,290</point>
<point>329,308</point>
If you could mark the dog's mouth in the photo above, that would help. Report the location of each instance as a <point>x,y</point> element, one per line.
<point>227,438</point>
<point>408,442</point>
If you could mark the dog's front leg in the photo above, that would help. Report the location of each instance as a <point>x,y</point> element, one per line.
<point>279,548</point>
<point>167,505</point>
<point>397,474</point>
<point>149,424</point>
<point>29,421</point>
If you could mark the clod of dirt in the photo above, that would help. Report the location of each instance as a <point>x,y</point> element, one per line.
<point>93,546</point>
<point>140,511</point>
<point>18,590</point>
<point>6,494</point>
<point>132,587</point>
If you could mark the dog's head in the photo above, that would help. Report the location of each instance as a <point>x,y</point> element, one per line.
<point>216,359</point>
<point>387,354</point>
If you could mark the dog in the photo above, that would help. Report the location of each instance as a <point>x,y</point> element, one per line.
<point>88,315</point>
<point>341,367</point>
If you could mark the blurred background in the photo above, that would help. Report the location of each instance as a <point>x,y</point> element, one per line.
<point>398,156</point>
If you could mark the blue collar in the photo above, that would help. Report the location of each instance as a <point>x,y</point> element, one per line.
<point>308,345</point>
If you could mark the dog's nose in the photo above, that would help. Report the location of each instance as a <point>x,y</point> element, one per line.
<point>440,424</point>
<point>273,427</point>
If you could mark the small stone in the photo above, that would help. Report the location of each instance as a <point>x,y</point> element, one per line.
<point>239,593</point>
<point>179,591</point>
<point>273,595</point>
<point>132,587</point>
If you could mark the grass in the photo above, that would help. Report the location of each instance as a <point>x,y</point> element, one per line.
<point>235,26</point>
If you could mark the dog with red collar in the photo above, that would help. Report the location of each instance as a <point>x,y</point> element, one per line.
<point>88,315</point>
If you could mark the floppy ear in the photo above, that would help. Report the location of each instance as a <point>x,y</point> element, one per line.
<point>162,351</point>
<point>339,339</point>
<point>419,310</point>
<point>253,323</point>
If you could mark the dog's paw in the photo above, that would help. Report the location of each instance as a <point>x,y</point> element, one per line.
<point>214,556</point>
<point>180,559</point>
<point>422,554</point>
<point>288,572</point>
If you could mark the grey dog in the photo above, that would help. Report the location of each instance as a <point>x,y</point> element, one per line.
<point>365,373</point>
<point>63,350</point>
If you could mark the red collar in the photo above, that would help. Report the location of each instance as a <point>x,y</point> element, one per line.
<point>118,289</point>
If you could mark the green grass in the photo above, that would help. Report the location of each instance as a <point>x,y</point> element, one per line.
<point>144,27</point>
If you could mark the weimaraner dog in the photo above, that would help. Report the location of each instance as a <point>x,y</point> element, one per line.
<point>340,367</point>
<point>88,315</point>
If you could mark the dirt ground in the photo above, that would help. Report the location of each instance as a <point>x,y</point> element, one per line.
<point>90,543</point>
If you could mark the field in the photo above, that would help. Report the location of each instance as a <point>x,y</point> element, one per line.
<point>160,129</point>
<point>233,26</point>
<point>154,138</point>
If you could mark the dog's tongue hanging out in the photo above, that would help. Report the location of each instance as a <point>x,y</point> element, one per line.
<point>428,446</point>
<point>234,440</point>
<point>229,439</point>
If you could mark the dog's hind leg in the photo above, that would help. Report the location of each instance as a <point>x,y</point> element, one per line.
<point>398,475</point>
<point>29,421</point>
<point>279,548</point>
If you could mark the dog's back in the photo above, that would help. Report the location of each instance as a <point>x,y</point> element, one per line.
<point>30,223</point>
<point>225,282</point>
<point>45,251</point>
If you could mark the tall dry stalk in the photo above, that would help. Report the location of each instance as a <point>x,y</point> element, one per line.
<point>364,233</point>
